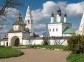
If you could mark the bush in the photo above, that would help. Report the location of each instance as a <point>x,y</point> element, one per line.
<point>75,58</point>
<point>76,44</point>
<point>49,46</point>
<point>6,52</point>
<point>45,43</point>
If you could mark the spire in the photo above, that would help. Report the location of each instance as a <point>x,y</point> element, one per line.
<point>28,16</point>
<point>28,7</point>
<point>19,18</point>
<point>28,10</point>
<point>28,21</point>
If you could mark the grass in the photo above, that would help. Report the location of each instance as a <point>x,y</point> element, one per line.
<point>6,52</point>
<point>49,46</point>
<point>75,58</point>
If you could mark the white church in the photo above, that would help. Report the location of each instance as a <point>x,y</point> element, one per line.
<point>22,33</point>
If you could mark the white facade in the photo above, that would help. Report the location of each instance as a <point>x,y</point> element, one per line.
<point>58,42</point>
<point>59,29</point>
<point>13,36</point>
<point>56,29</point>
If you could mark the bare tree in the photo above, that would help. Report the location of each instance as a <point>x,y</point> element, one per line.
<point>8,3</point>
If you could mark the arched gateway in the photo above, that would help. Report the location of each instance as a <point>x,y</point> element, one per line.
<point>15,41</point>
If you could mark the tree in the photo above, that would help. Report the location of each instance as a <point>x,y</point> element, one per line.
<point>8,3</point>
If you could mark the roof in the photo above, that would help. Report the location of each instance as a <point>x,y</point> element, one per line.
<point>12,31</point>
<point>60,22</point>
<point>68,30</point>
<point>19,23</point>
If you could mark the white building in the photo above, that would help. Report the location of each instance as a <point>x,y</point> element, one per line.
<point>22,33</point>
<point>58,28</point>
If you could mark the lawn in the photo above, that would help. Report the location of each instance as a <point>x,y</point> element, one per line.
<point>6,52</point>
<point>75,58</point>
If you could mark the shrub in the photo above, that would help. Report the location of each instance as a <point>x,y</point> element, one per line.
<point>76,44</point>
<point>45,43</point>
<point>6,52</point>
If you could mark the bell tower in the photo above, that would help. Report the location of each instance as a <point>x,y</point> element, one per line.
<point>28,21</point>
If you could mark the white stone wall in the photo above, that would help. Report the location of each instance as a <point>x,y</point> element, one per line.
<point>3,43</point>
<point>33,42</point>
<point>57,30</point>
<point>65,35</point>
<point>58,42</point>
<point>37,42</point>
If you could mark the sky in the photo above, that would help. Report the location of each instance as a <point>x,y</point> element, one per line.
<point>42,9</point>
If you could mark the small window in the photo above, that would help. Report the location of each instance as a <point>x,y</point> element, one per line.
<point>53,29</point>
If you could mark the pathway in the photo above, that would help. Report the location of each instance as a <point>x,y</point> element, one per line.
<point>39,55</point>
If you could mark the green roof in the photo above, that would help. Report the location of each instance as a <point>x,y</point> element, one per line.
<point>68,30</point>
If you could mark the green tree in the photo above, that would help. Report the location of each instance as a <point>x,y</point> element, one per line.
<point>76,44</point>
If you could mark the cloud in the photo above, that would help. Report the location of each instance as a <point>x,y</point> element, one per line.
<point>72,9</point>
<point>37,15</point>
<point>39,28</point>
<point>75,8</point>
<point>48,8</point>
<point>11,12</point>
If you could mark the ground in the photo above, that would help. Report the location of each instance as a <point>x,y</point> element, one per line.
<point>39,55</point>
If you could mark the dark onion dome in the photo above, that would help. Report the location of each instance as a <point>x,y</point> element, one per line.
<point>59,11</point>
<point>65,15</point>
<point>60,14</point>
<point>52,15</point>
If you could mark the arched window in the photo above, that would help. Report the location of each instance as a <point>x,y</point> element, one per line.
<point>28,21</point>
